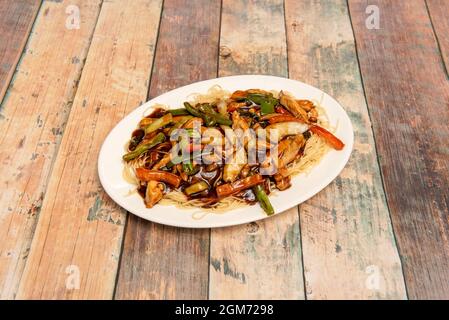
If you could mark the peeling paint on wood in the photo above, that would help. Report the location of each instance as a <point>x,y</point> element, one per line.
<point>407,91</point>
<point>27,125</point>
<point>16,21</point>
<point>345,228</point>
<point>64,237</point>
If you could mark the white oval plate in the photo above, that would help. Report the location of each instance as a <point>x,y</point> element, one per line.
<point>304,186</point>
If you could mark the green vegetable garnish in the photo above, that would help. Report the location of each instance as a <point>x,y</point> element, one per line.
<point>145,146</point>
<point>159,123</point>
<point>263,199</point>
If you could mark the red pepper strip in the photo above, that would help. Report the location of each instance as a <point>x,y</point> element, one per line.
<point>239,95</point>
<point>284,118</point>
<point>336,143</point>
<point>232,107</point>
<point>228,189</point>
<point>156,175</point>
<point>281,110</point>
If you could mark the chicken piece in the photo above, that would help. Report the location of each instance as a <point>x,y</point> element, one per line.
<point>232,170</point>
<point>245,171</point>
<point>287,151</point>
<point>307,105</point>
<point>163,162</point>
<point>238,122</point>
<point>153,193</point>
<point>283,129</point>
<point>293,106</point>
<point>313,115</point>
<point>282,183</point>
<point>294,144</point>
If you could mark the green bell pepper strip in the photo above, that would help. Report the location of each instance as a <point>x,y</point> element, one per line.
<point>266,102</point>
<point>263,199</point>
<point>257,98</point>
<point>192,110</point>
<point>215,116</point>
<point>143,147</point>
<point>210,117</point>
<point>196,187</point>
<point>267,107</point>
<point>179,112</point>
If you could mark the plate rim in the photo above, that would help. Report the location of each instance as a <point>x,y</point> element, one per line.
<point>193,223</point>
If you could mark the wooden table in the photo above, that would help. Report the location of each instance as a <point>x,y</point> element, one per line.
<point>70,70</point>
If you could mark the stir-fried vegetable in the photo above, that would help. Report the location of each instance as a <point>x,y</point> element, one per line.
<point>263,199</point>
<point>156,175</point>
<point>159,123</point>
<point>284,129</point>
<point>144,146</point>
<point>215,116</point>
<point>336,143</point>
<point>228,189</point>
<point>196,187</point>
<point>136,139</point>
<point>179,112</point>
<point>199,163</point>
<point>266,102</point>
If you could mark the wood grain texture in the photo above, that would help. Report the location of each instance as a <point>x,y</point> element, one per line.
<point>161,262</point>
<point>408,97</point>
<point>17,18</point>
<point>349,249</point>
<point>260,260</point>
<point>80,229</point>
<point>439,15</point>
<point>32,119</point>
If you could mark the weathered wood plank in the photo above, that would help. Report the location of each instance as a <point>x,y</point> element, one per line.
<point>17,18</point>
<point>161,262</point>
<point>260,260</point>
<point>32,119</point>
<point>439,15</point>
<point>79,233</point>
<point>346,230</point>
<point>408,97</point>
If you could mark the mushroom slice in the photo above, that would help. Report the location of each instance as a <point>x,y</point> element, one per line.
<point>153,193</point>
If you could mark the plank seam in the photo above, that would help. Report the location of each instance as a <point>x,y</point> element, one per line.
<point>445,67</point>
<point>217,74</point>
<point>122,246</point>
<point>150,76</point>
<point>298,206</point>
<point>377,154</point>
<point>302,254</point>
<point>219,38</point>
<point>10,81</point>
<point>75,89</point>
